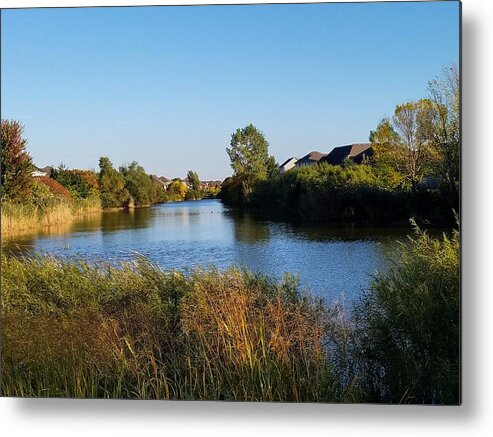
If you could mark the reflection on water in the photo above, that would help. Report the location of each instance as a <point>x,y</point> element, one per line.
<point>332,262</point>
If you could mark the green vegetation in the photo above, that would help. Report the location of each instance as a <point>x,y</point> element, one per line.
<point>16,163</point>
<point>408,327</point>
<point>32,201</point>
<point>249,155</point>
<point>134,331</point>
<point>414,171</point>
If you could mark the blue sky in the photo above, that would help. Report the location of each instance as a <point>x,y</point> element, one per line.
<point>167,86</point>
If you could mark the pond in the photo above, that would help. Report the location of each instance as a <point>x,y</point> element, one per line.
<point>333,263</point>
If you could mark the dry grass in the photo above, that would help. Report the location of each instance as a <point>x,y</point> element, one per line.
<point>21,217</point>
<point>75,330</point>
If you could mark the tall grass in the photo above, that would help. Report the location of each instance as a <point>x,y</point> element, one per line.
<point>19,217</point>
<point>407,331</point>
<point>74,329</point>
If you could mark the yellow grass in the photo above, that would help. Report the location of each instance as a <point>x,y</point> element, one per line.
<point>18,218</point>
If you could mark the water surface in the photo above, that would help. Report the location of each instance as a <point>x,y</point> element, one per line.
<point>334,263</point>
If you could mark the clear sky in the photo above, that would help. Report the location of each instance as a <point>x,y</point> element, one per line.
<point>167,86</point>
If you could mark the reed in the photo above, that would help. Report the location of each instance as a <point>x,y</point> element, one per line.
<point>72,329</point>
<point>20,217</point>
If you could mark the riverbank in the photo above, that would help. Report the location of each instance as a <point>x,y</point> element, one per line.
<point>364,195</point>
<point>73,329</point>
<point>18,218</point>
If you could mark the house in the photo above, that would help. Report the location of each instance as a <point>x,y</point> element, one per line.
<point>163,181</point>
<point>311,158</point>
<point>356,153</point>
<point>40,172</point>
<point>288,164</point>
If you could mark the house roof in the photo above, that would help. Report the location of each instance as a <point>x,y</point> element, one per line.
<point>287,160</point>
<point>46,169</point>
<point>355,151</point>
<point>309,158</point>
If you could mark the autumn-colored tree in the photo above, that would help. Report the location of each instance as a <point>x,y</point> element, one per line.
<point>16,163</point>
<point>177,190</point>
<point>80,183</point>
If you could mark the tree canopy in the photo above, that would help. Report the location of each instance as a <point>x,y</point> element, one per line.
<point>249,156</point>
<point>16,163</point>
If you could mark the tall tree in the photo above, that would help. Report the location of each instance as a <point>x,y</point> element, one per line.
<point>272,168</point>
<point>444,92</point>
<point>16,163</point>
<point>111,185</point>
<point>139,184</point>
<point>193,180</point>
<point>414,123</point>
<point>249,155</point>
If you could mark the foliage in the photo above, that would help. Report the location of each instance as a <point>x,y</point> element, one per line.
<point>273,169</point>
<point>112,188</point>
<point>414,122</point>
<point>80,183</point>
<point>193,180</point>
<point>249,156</point>
<point>408,328</point>
<point>53,186</point>
<point>177,190</point>
<point>444,92</point>
<point>143,189</point>
<point>363,194</point>
<point>16,163</point>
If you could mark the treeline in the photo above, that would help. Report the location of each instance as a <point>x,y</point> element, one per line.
<point>74,329</point>
<point>30,200</point>
<point>414,170</point>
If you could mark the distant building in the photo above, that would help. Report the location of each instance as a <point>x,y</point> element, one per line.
<point>356,153</point>
<point>288,164</point>
<point>162,180</point>
<point>311,158</point>
<point>41,172</point>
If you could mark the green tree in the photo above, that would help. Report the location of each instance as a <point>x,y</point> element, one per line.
<point>272,168</point>
<point>249,155</point>
<point>16,163</point>
<point>139,184</point>
<point>193,180</point>
<point>111,185</point>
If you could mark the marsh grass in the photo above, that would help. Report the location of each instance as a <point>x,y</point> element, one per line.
<point>71,329</point>
<point>21,217</point>
<point>74,329</point>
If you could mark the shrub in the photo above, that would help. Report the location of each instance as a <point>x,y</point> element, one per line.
<point>408,329</point>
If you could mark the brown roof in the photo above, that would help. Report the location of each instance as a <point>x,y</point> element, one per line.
<point>356,152</point>
<point>312,157</point>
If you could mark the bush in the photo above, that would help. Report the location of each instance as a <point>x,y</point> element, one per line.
<point>408,328</point>
<point>81,183</point>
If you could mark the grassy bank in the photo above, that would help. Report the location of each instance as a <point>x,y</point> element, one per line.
<point>20,217</point>
<point>72,329</point>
